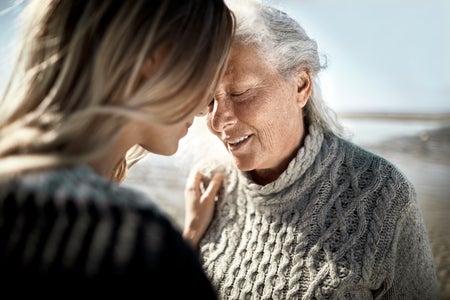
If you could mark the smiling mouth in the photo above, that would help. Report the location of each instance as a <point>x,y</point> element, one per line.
<point>236,143</point>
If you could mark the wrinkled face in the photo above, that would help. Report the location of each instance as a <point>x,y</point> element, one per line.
<point>257,113</point>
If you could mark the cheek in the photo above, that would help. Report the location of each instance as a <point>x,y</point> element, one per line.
<point>268,137</point>
<point>266,118</point>
<point>276,126</point>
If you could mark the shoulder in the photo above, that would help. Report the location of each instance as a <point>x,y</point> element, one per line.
<point>79,193</point>
<point>80,184</point>
<point>381,189</point>
<point>94,232</point>
<point>88,216</point>
<point>363,162</point>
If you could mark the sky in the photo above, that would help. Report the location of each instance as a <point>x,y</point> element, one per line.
<point>9,10</point>
<point>382,55</point>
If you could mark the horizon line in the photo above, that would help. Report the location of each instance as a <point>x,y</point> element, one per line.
<point>430,116</point>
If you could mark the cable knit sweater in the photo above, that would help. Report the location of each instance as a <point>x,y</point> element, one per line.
<point>339,223</point>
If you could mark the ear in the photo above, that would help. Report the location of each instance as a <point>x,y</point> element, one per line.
<point>148,66</point>
<point>304,87</point>
<point>154,61</point>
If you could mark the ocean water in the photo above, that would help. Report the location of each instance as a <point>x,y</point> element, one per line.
<point>368,132</point>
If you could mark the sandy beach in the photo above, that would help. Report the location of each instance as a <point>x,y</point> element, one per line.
<point>424,157</point>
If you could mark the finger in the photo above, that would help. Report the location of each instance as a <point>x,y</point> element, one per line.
<point>213,187</point>
<point>194,177</point>
<point>194,180</point>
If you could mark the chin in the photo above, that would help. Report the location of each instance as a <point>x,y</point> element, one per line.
<point>166,151</point>
<point>170,152</point>
<point>243,165</point>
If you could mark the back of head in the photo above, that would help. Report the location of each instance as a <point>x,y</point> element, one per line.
<point>78,76</point>
<point>285,44</point>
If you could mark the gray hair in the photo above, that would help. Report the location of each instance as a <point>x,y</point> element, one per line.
<point>284,43</point>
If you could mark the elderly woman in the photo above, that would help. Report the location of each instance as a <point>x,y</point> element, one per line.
<point>303,213</point>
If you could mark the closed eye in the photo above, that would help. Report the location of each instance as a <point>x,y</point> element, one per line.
<point>235,94</point>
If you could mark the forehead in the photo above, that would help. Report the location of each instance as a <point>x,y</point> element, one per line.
<point>246,62</point>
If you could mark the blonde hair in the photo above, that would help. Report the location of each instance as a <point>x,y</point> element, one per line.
<point>78,76</point>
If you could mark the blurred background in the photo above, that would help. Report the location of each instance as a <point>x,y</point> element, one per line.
<point>387,78</point>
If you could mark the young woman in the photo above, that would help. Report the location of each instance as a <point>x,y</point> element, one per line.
<point>97,84</point>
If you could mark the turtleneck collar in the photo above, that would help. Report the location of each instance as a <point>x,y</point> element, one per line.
<point>296,168</point>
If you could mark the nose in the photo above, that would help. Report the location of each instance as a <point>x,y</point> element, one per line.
<point>222,115</point>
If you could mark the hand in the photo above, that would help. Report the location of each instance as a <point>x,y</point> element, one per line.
<point>200,201</point>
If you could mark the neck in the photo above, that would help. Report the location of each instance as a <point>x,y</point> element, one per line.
<point>106,164</point>
<point>266,176</point>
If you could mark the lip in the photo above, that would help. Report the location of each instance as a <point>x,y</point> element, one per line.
<point>240,145</point>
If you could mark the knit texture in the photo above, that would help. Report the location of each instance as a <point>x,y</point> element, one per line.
<point>69,233</point>
<point>339,223</point>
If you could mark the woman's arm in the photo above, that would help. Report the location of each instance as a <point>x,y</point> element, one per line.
<point>410,268</point>
<point>414,272</point>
